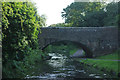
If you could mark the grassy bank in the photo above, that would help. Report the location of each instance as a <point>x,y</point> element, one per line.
<point>113,56</point>
<point>107,63</point>
<point>103,64</point>
<point>73,51</point>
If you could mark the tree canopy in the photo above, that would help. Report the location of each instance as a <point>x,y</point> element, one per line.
<point>87,14</point>
<point>20,28</point>
<point>60,25</point>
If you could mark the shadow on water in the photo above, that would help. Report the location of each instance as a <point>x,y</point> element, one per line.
<point>59,67</point>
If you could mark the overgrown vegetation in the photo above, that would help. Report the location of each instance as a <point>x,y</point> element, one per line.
<point>20,27</point>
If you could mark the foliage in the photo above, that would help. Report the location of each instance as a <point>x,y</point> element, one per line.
<point>33,56</point>
<point>60,25</point>
<point>112,15</point>
<point>63,48</point>
<point>20,27</point>
<point>43,20</point>
<point>19,69</point>
<point>87,14</point>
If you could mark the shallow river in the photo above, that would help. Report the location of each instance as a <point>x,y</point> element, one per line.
<point>59,67</point>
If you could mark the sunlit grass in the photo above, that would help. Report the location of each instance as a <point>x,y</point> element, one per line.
<point>106,63</point>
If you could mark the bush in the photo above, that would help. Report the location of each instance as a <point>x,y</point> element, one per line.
<point>20,27</point>
<point>19,69</point>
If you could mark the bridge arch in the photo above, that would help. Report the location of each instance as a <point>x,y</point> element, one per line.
<point>96,40</point>
<point>88,52</point>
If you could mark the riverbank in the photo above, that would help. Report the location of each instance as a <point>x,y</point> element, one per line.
<point>108,63</point>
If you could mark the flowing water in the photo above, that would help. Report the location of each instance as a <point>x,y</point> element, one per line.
<point>59,67</point>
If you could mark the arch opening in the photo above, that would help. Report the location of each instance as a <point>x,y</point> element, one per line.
<point>68,46</point>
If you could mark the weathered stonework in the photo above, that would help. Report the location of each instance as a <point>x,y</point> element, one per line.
<point>94,40</point>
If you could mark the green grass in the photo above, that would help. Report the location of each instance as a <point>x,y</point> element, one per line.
<point>113,56</point>
<point>73,51</point>
<point>106,64</point>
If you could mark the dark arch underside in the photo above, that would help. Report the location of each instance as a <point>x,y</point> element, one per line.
<point>88,52</point>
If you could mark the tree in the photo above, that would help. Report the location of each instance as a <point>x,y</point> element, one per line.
<point>91,14</point>
<point>82,14</point>
<point>60,25</point>
<point>20,28</point>
<point>111,18</point>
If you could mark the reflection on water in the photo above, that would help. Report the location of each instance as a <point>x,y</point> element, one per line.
<point>59,67</point>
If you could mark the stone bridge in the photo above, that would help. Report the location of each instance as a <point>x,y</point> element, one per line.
<point>95,41</point>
